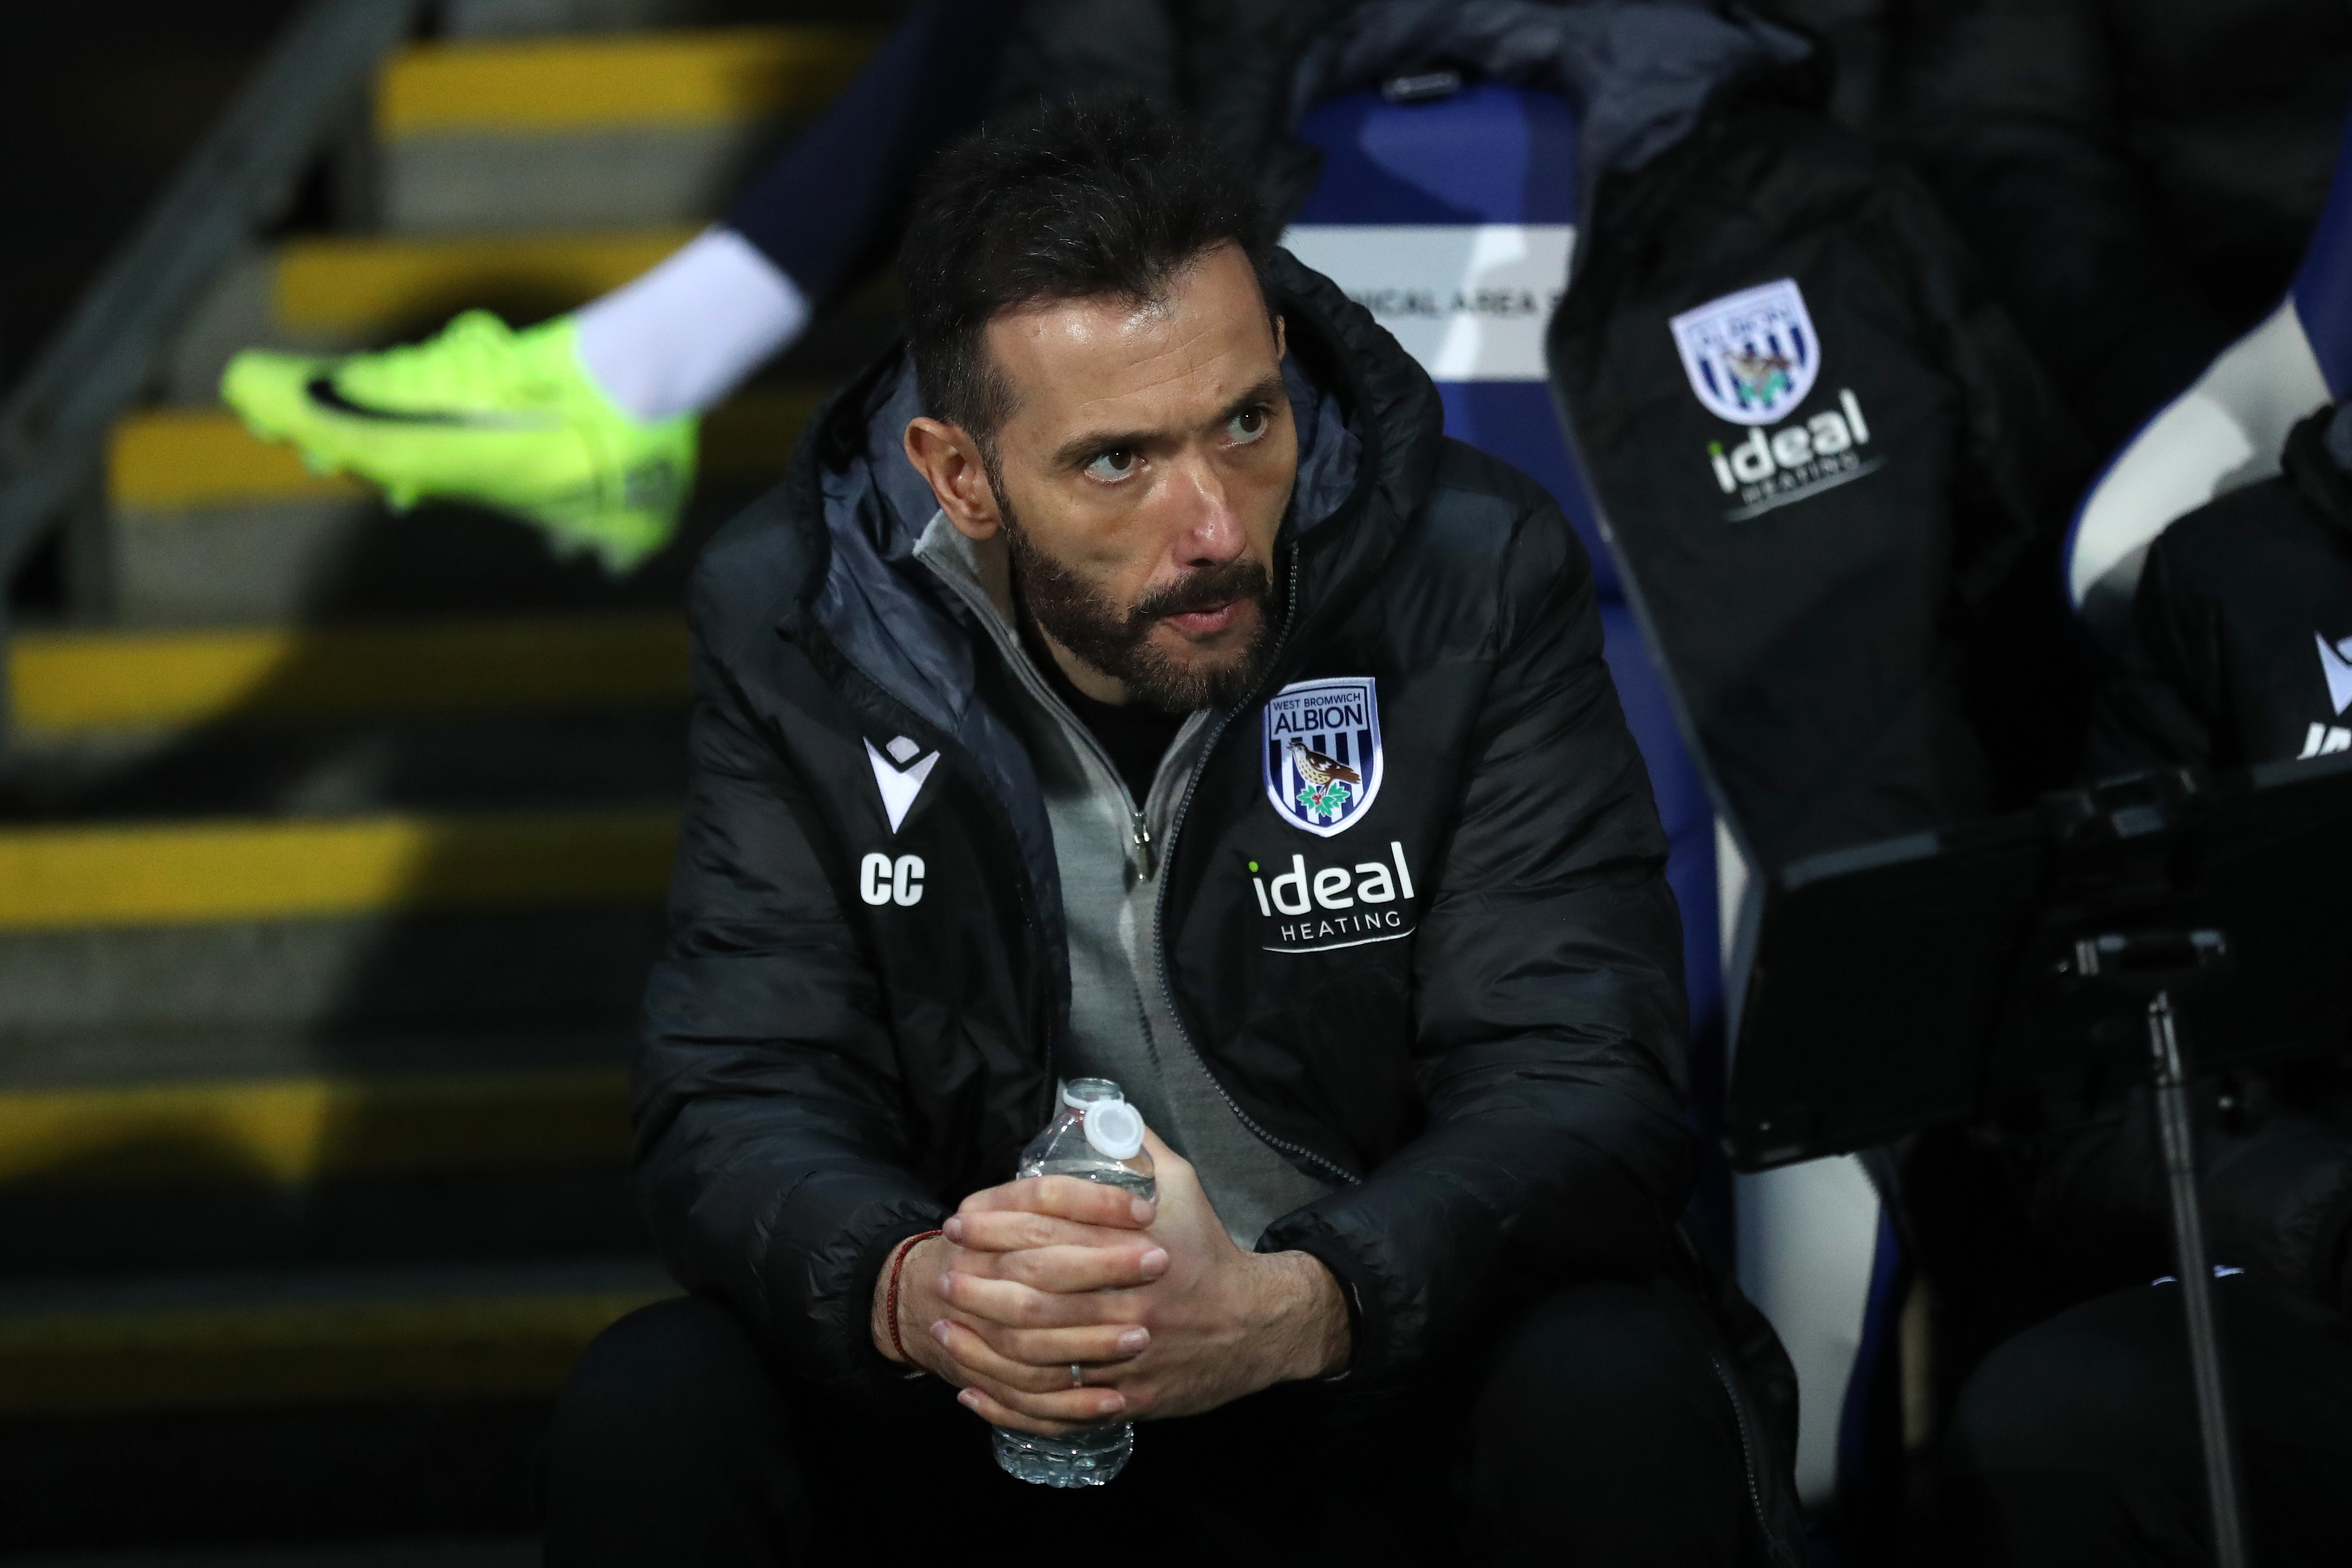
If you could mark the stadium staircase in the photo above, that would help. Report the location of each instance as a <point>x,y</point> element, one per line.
<point>333,856</point>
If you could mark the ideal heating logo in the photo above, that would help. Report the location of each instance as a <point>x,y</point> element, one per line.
<point>1336,906</point>
<point>1778,467</point>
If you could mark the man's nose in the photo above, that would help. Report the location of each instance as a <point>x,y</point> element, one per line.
<point>1208,529</point>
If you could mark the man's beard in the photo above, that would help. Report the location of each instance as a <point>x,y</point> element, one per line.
<point>1115,640</point>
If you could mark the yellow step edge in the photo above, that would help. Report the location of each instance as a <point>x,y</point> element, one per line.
<point>55,877</point>
<point>361,287</point>
<point>65,681</point>
<point>174,460</point>
<point>704,78</point>
<point>298,1130</point>
<point>253,1355</point>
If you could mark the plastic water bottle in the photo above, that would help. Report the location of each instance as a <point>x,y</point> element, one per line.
<point>1096,1136</point>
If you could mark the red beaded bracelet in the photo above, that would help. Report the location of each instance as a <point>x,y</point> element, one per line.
<point>891,1297</point>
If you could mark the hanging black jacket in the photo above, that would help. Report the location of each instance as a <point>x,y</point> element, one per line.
<point>1497,1090</point>
<point>1866,640</point>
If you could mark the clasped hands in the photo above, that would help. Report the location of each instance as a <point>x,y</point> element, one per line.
<point>1163,1314</point>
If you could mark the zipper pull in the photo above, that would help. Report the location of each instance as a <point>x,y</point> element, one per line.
<point>1142,835</point>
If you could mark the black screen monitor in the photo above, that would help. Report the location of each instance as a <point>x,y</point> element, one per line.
<point>1938,978</point>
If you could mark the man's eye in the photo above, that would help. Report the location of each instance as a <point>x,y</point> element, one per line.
<point>1112,465</point>
<point>1247,427</point>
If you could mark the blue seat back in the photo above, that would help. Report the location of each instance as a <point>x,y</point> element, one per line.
<point>2226,430</point>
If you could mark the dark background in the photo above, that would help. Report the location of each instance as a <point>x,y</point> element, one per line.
<point>98,103</point>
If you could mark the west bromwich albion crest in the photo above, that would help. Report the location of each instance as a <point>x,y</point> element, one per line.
<point>1323,752</point>
<point>1751,356</point>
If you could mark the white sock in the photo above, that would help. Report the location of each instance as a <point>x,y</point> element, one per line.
<point>679,339</point>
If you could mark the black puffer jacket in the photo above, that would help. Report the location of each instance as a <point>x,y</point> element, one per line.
<point>1499,1092</point>
<point>2140,176</point>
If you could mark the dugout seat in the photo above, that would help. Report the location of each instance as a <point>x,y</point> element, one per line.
<point>1450,213</point>
<point>2228,429</point>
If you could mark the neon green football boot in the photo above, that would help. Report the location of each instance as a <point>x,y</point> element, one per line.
<point>485,415</point>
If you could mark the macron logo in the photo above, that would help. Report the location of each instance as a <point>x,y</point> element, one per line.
<point>2335,663</point>
<point>898,777</point>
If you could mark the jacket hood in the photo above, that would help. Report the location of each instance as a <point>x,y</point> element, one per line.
<point>1370,426</point>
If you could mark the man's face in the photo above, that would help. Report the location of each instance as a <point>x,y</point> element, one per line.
<point>1142,474</point>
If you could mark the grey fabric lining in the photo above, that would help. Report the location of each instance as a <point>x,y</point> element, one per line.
<point>1121,1026</point>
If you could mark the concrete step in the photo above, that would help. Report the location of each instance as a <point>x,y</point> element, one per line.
<point>563,133</point>
<point>536,18</point>
<point>308,1338</point>
<point>79,879</point>
<point>197,1052</point>
<point>313,561</point>
<point>286,1132</point>
<point>473,972</point>
<point>533,18</point>
<point>208,526</point>
<point>483,920</point>
<point>506,713</point>
<point>242,766</point>
<point>475,1217</point>
<point>179,1146</point>
<point>70,682</point>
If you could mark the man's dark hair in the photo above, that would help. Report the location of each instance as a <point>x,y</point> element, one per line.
<point>1067,199</point>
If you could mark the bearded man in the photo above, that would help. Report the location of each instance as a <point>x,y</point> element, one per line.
<point>1130,681</point>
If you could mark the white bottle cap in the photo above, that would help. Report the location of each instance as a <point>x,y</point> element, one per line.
<point>1114,1129</point>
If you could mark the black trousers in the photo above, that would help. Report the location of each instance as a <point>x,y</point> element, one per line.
<point>1595,1432</point>
<point>2076,1442</point>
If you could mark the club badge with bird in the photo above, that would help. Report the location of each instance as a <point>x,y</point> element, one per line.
<point>1325,780</point>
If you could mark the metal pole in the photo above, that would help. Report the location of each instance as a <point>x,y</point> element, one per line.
<point>2195,1282</point>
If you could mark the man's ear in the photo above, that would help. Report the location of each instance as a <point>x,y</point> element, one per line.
<point>1281,340</point>
<point>949,459</point>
